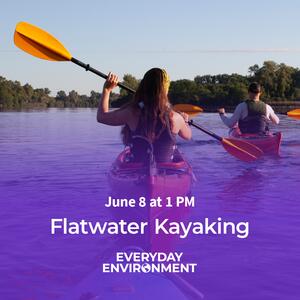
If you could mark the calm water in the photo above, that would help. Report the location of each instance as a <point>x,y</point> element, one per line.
<point>54,164</point>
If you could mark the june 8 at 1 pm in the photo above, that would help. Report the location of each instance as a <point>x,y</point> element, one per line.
<point>153,202</point>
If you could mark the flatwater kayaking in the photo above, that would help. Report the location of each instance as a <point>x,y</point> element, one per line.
<point>152,163</point>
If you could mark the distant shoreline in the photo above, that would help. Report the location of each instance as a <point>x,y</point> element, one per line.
<point>279,107</point>
<point>280,82</point>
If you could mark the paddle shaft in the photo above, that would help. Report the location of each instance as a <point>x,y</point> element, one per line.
<point>191,122</point>
<point>87,67</point>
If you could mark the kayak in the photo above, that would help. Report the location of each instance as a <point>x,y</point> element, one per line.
<point>164,180</point>
<point>170,179</point>
<point>268,143</point>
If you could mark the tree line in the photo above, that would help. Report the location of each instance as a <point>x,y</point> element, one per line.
<point>15,96</point>
<point>281,83</point>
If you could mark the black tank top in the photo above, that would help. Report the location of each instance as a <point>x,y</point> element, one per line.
<point>162,146</point>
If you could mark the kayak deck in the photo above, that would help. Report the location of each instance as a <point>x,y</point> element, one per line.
<point>268,143</point>
<point>166,180</point>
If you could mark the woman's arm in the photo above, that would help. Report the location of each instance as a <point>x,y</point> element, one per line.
<point>116,117</point>
<point>185,131</point>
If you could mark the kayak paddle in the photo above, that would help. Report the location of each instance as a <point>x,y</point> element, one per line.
<point>239,149</point>
<point>295,114</point>
<point>41,44</point>
<point>191,110</point>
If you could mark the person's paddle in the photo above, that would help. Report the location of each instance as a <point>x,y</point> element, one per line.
<point>191,110</point>
<point>238,148</point>
<point>295,113</point>
<point>41,44</point>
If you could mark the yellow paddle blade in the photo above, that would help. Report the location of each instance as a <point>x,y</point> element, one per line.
<point>39,43</point>
<point>294,113</point>
<point>191,110</point>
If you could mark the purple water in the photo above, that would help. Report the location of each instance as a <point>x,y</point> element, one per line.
<point>54,163</point>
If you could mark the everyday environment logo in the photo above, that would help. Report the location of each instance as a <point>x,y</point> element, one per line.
<point>147,262</point>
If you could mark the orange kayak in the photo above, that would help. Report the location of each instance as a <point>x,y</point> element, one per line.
<point>268,143</point>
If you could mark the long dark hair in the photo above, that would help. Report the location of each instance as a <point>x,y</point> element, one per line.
<point>152,100</point>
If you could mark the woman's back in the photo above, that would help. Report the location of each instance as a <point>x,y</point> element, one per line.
<point>148,115</point>
<point>162,143</point>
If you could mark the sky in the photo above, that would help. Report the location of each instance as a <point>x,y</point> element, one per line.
<point>187,38</point>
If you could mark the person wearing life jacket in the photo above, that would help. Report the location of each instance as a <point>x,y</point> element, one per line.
<point>251,116</point>
<point>148,119</point>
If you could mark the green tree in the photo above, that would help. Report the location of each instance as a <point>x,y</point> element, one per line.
<point>205,79</point>
<point>130,81</point>
<point>253,70</point>
<point>94,98</point>
<point>267,76</point>
<point>61,96</point>
<point>284,76</point>
<point>184,91</point>
<point>236,93</point>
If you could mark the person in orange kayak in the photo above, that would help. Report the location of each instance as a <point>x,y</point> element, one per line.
<point>251,116</point>
<point>148,118</point>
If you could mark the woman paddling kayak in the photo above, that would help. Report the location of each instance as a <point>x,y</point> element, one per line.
<point>148,116</point>
<point>149,123</point>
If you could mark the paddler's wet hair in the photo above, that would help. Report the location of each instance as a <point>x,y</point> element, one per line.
<point>254,88</point>
<point>151,98</point>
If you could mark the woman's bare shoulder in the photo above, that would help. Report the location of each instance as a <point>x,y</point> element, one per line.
<point>175,116</point>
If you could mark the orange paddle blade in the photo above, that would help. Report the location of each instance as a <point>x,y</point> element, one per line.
<point>191,110</point>
<point>39,43</point>
<point>295,114</point>
<point>241,149</point>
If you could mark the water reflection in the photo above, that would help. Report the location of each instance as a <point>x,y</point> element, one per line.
<point>54,164</point>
